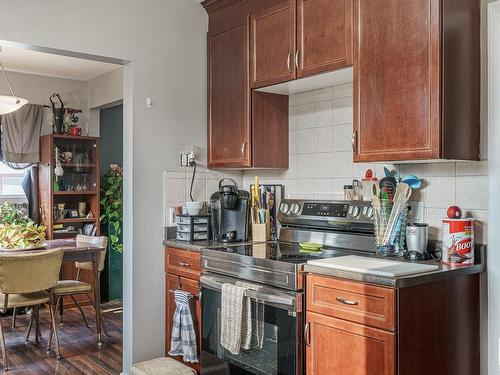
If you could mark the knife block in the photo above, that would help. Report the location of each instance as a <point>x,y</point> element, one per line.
<point>261,232</point>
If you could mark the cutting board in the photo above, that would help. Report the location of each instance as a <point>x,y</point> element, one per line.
<point>373,266</point>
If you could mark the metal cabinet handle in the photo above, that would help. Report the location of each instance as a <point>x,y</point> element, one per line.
<point>184,264</point>
<point>243,149</point>
<point>289,62</point>
<point>347,302</point>
<point>353,141</point>
<point>306,334</point>
<point>297,59</point>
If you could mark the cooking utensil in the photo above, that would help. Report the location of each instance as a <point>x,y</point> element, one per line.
<point>403,193</point>
<point>388,185</point>
<point>413,181</point>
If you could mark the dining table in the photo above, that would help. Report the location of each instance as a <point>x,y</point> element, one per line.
<point>74,251</point>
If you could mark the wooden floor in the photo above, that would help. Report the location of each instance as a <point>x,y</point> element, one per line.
<point>78,345</point>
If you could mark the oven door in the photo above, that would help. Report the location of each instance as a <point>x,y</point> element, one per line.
<point>276,332</point>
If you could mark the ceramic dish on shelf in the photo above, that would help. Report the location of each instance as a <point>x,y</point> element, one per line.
<point>23,248</point>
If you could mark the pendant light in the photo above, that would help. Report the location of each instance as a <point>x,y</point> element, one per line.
<point>9,103</point>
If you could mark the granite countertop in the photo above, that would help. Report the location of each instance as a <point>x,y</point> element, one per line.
<point>444,272</point>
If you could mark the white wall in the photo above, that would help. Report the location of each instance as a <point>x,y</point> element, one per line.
<point>37,89</point>
<point>106,89</point>
<point>494,157</point>
<point>166,43</point>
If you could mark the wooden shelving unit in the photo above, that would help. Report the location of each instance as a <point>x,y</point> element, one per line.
<point>79,183</point>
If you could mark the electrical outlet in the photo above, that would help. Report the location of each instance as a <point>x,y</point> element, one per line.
<point>187,158</point>
<point>171,216</point>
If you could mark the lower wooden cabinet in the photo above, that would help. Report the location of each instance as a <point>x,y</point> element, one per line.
<point>354,328</point>
<point>335,346</point>
<point>173,281</point>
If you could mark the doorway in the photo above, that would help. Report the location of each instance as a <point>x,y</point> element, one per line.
<point>80,92</point>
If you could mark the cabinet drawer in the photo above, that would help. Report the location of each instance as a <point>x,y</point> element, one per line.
<point>357,302</point>
<point>183,263</point>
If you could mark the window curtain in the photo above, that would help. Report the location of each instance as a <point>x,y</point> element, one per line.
<point>20,136</point>
<point>20,148</point>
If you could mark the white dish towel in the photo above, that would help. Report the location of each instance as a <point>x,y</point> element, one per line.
<point>236,320</point>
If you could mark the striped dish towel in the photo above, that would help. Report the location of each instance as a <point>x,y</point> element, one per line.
<point>252,325</point>
<point>233,313</point>
<point>183,340</point>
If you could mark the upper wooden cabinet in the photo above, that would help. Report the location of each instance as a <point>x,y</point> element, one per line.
<point>229,98</point>
<point>298,38</point>
<point>272,44</point>
<point>244,130</point>
<point>416,80</point>
<point>324,35</point>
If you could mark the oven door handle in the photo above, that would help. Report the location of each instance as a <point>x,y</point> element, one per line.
<point>288,301</point>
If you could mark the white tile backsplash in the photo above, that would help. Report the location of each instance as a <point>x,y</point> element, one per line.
<point>323,165</point>
<point>303,116</point>
<point>322,172</point>
<point>322,139</point>
<point>304,141</point>
<point>323,114</point>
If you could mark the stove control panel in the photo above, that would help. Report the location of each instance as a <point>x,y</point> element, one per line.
<point>295,210</point>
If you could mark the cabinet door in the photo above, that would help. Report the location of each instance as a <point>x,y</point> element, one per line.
<point>397,80</point>
<point>272,44</point>
<point>192,286</point>
<point>228,98</point>
<point>324,34</point>
<point>335,346</point>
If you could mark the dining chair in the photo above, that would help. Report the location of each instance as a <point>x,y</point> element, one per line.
<point>76,287</point>
<point>26,279</point>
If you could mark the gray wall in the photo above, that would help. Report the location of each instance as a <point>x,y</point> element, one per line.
<point>166,44</point>
<point>111,138</point>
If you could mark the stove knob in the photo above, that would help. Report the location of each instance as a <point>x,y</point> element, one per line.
<point>369,213</point>
<point>356,211</point>
<point>295,208</point>
<point>284,207</point>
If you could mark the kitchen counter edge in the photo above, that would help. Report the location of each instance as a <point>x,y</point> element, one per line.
<point>445,272</point>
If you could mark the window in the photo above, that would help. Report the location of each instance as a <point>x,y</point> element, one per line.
<point>10,181</point>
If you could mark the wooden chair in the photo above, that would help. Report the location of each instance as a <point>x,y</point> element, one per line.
<point>25,278</point>
<point>76,287</point>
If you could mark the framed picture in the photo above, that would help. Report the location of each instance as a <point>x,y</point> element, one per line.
<point>74,214</point>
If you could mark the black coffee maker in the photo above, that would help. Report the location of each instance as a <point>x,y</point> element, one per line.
<point>229,208</point>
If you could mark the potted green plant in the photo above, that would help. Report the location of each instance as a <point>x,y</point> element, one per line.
<point>112,218</point>
<point>17,231</point>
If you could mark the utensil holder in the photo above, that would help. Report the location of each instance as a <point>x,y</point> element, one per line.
<point>261,232</point>
<point>395,245</point>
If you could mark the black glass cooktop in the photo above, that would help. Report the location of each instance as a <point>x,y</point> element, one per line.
<point>281,251</point>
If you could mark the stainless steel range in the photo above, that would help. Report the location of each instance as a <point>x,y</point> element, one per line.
<point>275,269</point>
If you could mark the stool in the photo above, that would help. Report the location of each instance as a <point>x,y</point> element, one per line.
<point>161,366</point>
